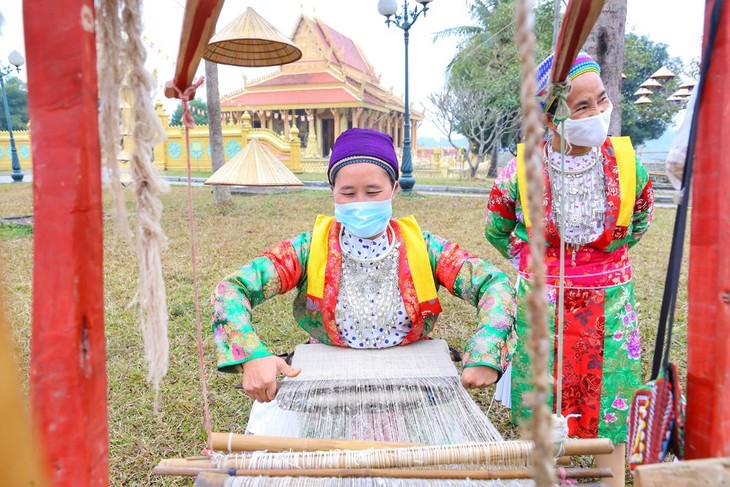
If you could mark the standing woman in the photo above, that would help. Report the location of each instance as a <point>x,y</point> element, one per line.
<point>607,200</point>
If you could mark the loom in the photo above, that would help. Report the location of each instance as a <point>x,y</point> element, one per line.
<point>399,409</point>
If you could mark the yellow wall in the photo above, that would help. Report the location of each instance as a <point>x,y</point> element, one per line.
<point>170,155</point>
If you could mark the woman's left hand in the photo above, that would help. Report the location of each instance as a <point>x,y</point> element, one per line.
<point>478,376</point>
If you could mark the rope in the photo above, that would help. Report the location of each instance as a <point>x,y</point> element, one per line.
<point>147,131</point>
<point>189,123</point>
<point>109,42</point>
<point>562,113</point>
<point>540,343</point>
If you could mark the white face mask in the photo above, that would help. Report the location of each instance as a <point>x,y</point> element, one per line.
<point>587,132</point>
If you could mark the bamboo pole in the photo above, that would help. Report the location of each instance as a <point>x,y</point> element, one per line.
<point>249,443</point>
<point>241,443</point>
<point>493,474</point>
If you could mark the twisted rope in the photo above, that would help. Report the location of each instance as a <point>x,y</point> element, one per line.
<point>147,131</point>
<point>540,342</point>
<point>189,123</point>
<point>109,46</point>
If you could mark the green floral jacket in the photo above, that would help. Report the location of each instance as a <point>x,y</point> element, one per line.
<point>284,267</point>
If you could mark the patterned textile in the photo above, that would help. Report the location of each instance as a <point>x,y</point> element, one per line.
<point>601,355</point>
<point>468,277</point>
<point>583,64</point>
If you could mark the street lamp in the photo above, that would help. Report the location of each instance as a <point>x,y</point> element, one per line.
<point>389,8</point>
<point>17,60</point>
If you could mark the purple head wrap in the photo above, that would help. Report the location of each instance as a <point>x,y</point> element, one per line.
<point>363,145</point>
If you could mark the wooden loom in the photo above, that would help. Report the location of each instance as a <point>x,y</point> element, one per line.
<point>68,394</point>
<point>399,394</point>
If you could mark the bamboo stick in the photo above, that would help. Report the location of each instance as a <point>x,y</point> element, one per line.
<point>241,443</point>
<point>492,474</point>
<point>245,443</point>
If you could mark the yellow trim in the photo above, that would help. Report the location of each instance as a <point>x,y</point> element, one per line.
<point>522,183</point>
<point>318,256</point>
<point>418,261</point>
<point>626,162</point>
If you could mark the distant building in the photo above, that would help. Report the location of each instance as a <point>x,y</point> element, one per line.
<point>332,88</point>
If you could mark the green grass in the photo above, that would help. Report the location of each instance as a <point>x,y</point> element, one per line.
<point>11,231</point>
<point>226,239</point>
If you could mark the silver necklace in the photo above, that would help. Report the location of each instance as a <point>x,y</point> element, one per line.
<point>584,190</point>
<point>370,294</point>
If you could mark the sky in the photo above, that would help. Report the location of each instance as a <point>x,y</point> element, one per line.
<point>677,23</point>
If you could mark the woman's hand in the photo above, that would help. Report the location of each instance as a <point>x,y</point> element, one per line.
<point>259,376</point>
<point>478,376</point>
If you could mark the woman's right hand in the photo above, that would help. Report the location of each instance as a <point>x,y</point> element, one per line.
<point>259,376</point>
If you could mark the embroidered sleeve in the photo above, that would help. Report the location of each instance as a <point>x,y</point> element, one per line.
<point>478,282</point>
<point>643,207</point>
<point>502,213</point>
<point>275,272</point>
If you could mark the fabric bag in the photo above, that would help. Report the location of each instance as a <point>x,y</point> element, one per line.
<point>656,420</point>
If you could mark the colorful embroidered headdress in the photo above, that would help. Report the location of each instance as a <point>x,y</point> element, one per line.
<point>583,64</point>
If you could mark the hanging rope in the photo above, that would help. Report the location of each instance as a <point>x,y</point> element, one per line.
<point>147,131</point>
<point>109,47</point>
<point>540,342</point>
<point>189,122</point>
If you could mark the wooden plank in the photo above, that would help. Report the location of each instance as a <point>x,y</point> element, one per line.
<point>708,343</point>
<point>198,27</point>
<point>68,369</point>
<point>692,473</point>
<point>210,479</point>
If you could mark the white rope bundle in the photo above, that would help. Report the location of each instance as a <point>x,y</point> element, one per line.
<point>147,131</point>
<point>109,62</point>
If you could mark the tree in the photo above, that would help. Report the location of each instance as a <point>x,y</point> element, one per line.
<point>17,95</point>
<point>199,110</point>
<point>606,44</point>
<point>221,194</point>
<point>642,58</point>
<point>483,75</point>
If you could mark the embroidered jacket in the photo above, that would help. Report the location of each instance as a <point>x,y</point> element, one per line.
<point>629,205</point>
<point>288,265</point>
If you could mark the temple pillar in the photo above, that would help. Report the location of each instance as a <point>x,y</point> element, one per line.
<point>245,128</point>
<point>295,147</point>
<point>312,142</point>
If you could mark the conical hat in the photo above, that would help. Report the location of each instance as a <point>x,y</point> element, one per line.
<point>253,42</point>
<point>254,165</point>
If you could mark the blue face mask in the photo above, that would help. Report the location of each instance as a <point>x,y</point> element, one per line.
<point>365,219</point>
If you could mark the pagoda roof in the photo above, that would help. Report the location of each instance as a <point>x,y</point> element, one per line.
<point>333,72</point>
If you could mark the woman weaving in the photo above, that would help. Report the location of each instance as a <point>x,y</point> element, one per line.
<point>363,279</point>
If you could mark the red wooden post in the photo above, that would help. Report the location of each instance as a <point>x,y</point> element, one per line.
<point>68,370</point>
<point>708,372</point>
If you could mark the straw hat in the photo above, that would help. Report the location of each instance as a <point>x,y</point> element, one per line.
<point>251,41</point>
<point>254,165</point>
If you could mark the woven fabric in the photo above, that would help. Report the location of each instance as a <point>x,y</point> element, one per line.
<point>363,145</point>
<point>426,358</point>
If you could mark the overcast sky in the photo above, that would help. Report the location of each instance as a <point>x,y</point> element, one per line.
<point>677,23</point>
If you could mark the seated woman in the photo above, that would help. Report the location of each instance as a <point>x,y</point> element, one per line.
<point>363,279</point>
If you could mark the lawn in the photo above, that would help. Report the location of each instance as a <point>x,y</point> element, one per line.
<point>226,239</point>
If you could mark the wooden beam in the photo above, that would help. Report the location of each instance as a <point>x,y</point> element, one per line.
<point>693,473</point>
<point>708,343</point>
<point>197,29</point>
<point>68,370</point>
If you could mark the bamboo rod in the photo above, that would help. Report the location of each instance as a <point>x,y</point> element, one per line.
<point>241,443</point>
<point>492,474</point>
<point>246,443</point>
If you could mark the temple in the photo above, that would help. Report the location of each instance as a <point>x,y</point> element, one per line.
<point>332,88</point>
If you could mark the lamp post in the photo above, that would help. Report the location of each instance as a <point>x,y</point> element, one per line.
<point>17,60</point>
<point>404,20</point>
